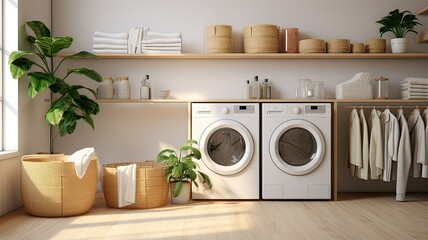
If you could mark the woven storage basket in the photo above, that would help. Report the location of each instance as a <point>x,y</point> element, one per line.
<point>152,187</point>
<point>261,38</point>
<point>51,188</point>
<point>218,39</point>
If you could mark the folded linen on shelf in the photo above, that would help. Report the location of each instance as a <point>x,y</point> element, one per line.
<point>160,51</point>
<point>156,35</point>
<point>110,50</point>
<point>161,40</point>
<point>410,80</point>
<point>126,184</point>
<point>161,44</point>
<point>405,93</point>
<point>160,48</point>
<point>136,35</point>
<point>110,46</point>
<point>414,87</point>
<point>414,97</point>
<point>99,40</point>
<point>358,87</point>
<point>414,90</point>
<point>111,35</point>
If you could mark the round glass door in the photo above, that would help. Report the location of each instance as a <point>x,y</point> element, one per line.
<point>226,147</point>
<point>297,147</point>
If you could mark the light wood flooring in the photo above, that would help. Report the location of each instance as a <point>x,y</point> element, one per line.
<point>354,216</point>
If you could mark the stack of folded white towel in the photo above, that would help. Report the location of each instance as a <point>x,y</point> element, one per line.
<point>155,42</point>
<point>414,88</point>
<point>110,42</point>
<point>135,37</point>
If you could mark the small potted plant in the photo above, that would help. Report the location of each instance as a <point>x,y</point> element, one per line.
<point>399,23</point>
<point>181,170</point>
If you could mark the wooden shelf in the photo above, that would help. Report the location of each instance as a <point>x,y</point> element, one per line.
<point>360,101</point>
<point>265,56</point>
<point>423,11</point>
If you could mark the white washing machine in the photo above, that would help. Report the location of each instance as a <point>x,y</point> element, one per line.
<point>296,151</point>
<point>228,136</point>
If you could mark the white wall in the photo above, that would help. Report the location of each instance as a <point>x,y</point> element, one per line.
<point>25,129</point>
<point>135,132</point>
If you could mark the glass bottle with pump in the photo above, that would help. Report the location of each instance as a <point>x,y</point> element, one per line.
<point>144,89</point>
<point>256,89</point>
<point>247,90</point>
<point>266,90</point>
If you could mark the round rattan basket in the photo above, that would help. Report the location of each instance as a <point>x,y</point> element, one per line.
<point>218,39</point>
<point>51,188</point>
<point>261,38</point>
<point>151,185</point>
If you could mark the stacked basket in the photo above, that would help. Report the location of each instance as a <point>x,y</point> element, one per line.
<point>338,46</point>
<point>151,185</point>
<point>312,46</point>
<point>261,38</point>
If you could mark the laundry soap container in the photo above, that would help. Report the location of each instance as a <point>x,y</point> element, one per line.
<point>261,38</point>
<point>218,39</point>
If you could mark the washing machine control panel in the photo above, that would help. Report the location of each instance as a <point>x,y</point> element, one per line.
<point>308,110</point>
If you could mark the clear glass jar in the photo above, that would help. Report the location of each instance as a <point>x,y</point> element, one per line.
<point>123,88</point>
<point>319,90</point>
<point>381,88</point>
<point>105,90</point>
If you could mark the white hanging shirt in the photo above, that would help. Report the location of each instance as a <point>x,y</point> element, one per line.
<point>376,146</point>
<point>417,138</point>
<point>355,158</point>
<point>425,166</point>
<point>390,130</point>
<point>404,157</point>
<point>364,170</point>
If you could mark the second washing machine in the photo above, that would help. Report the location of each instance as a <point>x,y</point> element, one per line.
<point>296,151</point>
<point>228,136</point>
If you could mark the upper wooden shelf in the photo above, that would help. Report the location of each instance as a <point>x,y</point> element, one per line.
<point>266,56</point>
<point>423,11</point>
<point>338,101</point>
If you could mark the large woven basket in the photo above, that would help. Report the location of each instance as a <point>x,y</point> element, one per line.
<point>152,187</point>
<point>261,38</point>
<point>218,39</point>
<point>51,188</point>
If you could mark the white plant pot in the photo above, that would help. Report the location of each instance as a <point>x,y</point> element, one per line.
<point>399,45</point>
<point>184,196</point>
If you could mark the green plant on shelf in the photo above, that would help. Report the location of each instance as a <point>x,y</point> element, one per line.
<point>399,23</point>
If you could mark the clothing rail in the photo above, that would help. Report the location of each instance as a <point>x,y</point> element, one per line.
<point>384,106</point>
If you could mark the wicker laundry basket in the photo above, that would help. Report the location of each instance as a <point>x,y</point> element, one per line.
<point>218,39</point>
<point>261,38</point>
<point>51,188</point>
<point>152,187</point>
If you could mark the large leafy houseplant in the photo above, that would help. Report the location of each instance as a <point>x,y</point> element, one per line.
<point>68,105</point>
<point>399,23</point>
<point>181,166</point>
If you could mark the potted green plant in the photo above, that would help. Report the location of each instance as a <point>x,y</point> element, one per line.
<point>181,170</point>
<point>67,105</point>
<point>73,195</point>
<point>399,23</point>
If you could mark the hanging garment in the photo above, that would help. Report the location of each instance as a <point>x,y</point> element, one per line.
<point>355,148</point>
<point>363,172</point>
<point>376,146</point>
<point>390,130</point>
<point>417,139</point>
<point>404,157</point>
<point>425,166</point>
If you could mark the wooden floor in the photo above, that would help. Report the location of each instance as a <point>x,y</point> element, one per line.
<point>354,216</point>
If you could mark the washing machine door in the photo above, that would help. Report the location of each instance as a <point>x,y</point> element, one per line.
<point>227,147</point>
<point>297,147</point>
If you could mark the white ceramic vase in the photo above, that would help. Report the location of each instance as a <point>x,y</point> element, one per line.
<point>184,196</point>
<point>399,45</point>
